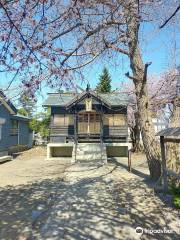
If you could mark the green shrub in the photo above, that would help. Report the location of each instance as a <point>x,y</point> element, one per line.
<point>175,190</point>
<point>176,201</point>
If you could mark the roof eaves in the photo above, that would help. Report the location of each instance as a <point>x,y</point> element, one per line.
<point>57,99</point>
<point>21,117</point>
<point>169,132</point>
<point>7,106</point>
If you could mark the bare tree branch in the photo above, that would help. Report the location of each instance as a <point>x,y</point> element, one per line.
<point>174,13</point>
<point>131,77</point>
<point>117,49</point>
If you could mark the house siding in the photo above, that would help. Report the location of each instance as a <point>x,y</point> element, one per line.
<point>23,133</point>
<point>8,140</point>
<point>4,142</point>
<point>116,131</point>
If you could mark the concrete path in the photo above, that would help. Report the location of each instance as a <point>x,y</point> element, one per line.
<point>26,185</point>
<point>47,200</point>
<point>106,203</point>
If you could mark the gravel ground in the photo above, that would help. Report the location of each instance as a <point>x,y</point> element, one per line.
<point>30,166</point>
<point>80,201</point>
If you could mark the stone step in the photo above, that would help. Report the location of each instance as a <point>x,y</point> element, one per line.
<point>5,158</point>
<point>91,149</point>
<point>89,157</point>
<point>98,162</point>
<point>90,145</point>
<point>88,152</point>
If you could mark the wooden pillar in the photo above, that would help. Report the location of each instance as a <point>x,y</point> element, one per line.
<point>75,135</point>
<point>75,127</point>
<point>88,127</point>
<point>50,127</point>
<point>101,122</point>
<point>129,160</point>
<point>164,170</point>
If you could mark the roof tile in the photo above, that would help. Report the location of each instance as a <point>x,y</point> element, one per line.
<point>62,99</point>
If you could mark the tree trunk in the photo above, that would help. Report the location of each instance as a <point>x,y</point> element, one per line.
<point>136,135</point>
<point>151,148</point>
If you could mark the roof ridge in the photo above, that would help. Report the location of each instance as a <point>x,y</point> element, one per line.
<point>108,93</point>
<point>113,99</point>
<point>64,93</point>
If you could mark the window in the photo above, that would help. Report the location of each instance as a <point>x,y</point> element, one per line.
<point>89,117</point>
<point>14,127</point>
<point>63,119</point>
<point>83,118</point>
<point>98,118</point>
<point>114,119</point>
<point>59,119</point>
<point>80,118</point>
<point>2,121</point>
<point>119,119</point>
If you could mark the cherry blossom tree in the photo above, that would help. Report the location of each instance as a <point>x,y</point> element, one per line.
<point>52,40</point>
<point>162,91</point>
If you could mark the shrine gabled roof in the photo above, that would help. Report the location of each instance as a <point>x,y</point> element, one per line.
<point>65,99</point>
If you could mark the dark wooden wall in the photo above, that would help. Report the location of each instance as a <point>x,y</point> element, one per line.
<point>61,133</point>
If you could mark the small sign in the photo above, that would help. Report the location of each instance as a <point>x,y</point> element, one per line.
<point>88,104</point>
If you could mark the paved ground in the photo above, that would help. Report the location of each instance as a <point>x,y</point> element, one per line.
<point>106,203</point>
<point>25,185</point>
<point>90,202</point>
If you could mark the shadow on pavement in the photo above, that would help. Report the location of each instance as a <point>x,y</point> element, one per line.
<point>91,208</point>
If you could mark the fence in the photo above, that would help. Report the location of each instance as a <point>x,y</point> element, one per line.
<point>173,156</point>
<point>170,149</point>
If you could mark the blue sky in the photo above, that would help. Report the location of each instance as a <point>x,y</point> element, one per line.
<point>158,46</point>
